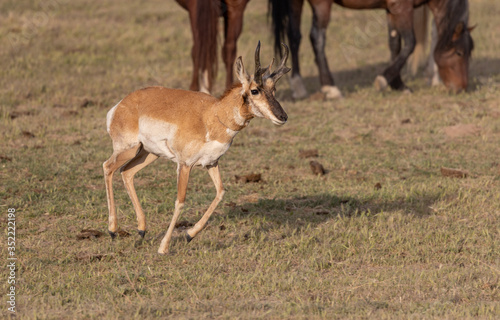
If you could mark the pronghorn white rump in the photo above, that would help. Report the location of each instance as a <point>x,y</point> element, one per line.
<point>189,128</point>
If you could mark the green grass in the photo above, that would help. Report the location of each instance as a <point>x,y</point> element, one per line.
<point>294,246</point>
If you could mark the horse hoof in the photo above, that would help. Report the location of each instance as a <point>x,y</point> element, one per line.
<point>112,234</point>
<point>188,237</point>
<point>142,233</point>
<point>380,83</point>
<point>299,91</point>
<point>331,92</point>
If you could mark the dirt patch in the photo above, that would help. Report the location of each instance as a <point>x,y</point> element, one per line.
<point>184,224</point>
<point>454,173</point>
<point>89,234</point>
<point>27,134</point>
<point>92,257</point>
<point>251,198</point>
<point>311,153</point>
<point>461,130</point>
<point>252,177</point>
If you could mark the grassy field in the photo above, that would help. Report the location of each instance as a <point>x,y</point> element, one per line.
<point>383,234</point>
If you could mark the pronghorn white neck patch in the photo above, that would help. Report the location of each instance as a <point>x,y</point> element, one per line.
<point>238,118</point>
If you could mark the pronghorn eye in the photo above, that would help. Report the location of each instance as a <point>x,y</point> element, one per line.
<point>254,92</point>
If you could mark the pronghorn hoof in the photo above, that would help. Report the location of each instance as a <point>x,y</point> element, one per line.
<point>380,83</point>
<point>142,233</point>
<point>112,234</point>
<point>188,237</point>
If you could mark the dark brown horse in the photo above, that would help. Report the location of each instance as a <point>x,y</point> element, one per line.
<point>452,52</point>
<point>204,16</point>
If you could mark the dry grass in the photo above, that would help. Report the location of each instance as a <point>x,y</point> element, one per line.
<point>383,234</point>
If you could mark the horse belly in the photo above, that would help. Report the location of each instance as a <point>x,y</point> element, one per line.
<point>362,4</point>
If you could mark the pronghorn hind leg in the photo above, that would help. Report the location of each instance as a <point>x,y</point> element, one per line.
<point>182,181</point>
<point>117,160</point>
<point>215,175</point>
<point>141,160</point>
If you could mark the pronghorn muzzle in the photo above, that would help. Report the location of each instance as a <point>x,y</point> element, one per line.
<point>276,110</point>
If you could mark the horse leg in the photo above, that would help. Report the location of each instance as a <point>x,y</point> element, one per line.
<point>299,90</point>
<point>402,24</point>
<point>196,64</point>
<point>233,24</point>
<point>432,66</point>
<point>321,18</point>
<point>395,48</point>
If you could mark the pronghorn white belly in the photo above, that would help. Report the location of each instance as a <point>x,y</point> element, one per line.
<point>157,137</point>
<point>209,153</point>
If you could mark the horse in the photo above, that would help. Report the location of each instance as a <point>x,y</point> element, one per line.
<point>452,52</point>
<point>203,17</point>
<point>418,57</point>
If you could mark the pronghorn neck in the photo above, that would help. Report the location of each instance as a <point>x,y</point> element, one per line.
<point>232,110</point>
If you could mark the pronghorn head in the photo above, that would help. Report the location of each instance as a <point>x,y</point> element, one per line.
<point>258,91</point>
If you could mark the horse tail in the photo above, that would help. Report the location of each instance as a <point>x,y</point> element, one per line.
<point>279,10</point>
<point>205,36</point>
<point>420,25</point>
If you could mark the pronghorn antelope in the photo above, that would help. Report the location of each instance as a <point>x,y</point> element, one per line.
<point>189,128</point>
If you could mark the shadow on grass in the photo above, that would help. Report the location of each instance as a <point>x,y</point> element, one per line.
<point>316,209</point>
<point>363,77</point>
<point>300,213</point>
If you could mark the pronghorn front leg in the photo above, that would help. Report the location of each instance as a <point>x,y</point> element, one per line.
<point>215,175</point>
<point>182,181</point>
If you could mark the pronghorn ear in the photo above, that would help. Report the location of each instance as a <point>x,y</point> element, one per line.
<point>240,72</point>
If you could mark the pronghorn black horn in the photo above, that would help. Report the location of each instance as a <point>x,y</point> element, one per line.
<point>258,70</point>
<point>282,69</point>
<point>257,60</point>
